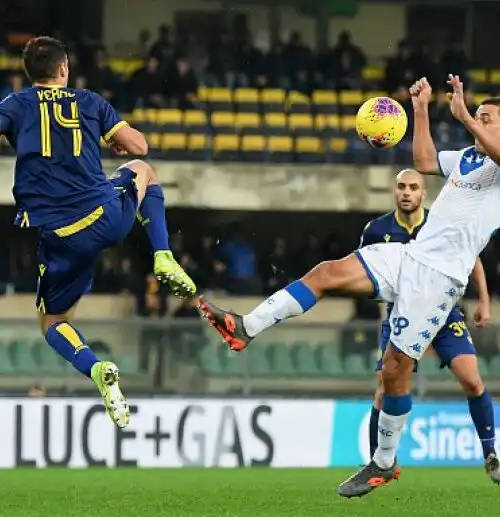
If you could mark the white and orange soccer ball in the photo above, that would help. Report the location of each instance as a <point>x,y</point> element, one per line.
<point>381,122</point>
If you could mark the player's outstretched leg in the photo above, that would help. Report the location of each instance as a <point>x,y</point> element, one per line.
<point>344,275</point>
<point>69,343</point>
<point>396,406</point>
<point>152,217</point>
<point>466,370</point>
<point>375,414</point>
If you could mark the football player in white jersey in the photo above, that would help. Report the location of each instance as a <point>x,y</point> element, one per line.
<point>424,278</point>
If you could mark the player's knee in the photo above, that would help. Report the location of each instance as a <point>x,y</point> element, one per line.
<point>326,276</point>
<point>472,384</point>
<point>47,320</point>
<point>143,170</point>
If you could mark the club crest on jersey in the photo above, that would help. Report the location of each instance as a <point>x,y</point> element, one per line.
<point>471,160</point>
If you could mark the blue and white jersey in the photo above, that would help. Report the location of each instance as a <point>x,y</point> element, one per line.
<point>464,216</point>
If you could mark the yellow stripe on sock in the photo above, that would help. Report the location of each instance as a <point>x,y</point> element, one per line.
<point>70,334</point>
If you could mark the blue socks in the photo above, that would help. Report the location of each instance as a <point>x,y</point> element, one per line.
<point>152,217</point>
<point>481,411</point>
<point>71,345</point>
<point>374,430</point>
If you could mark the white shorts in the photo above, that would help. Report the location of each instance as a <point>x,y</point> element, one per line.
<point>422,296</point>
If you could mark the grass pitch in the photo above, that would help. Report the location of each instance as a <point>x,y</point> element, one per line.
<point>239,492</point>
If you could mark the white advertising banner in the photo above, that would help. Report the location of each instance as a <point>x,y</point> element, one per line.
<point>166,433</point>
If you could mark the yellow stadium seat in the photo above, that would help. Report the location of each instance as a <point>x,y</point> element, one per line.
<point>495,76</point>
<point>203,93</point>
<point>480,97</point>
<point>195,121</point>
<point>169,120</point>
<point>138,116</point>
<point>246,99</point>
<point>151,115</point>
<point>197,146</point>
<point>273,99</point>
<point>298,102</point>
<point>276,123</point>
<point>225,147</point>
<point>173,141</point>
<point>478,75</point>
<point>309,148</point>
<point>301,124</point>
<point>328,123</point>
<point>350,101</point>
<point>348,123</point>
<point>374,93</point>
<point>325,101</point>
<point>154,140</point>
<point>252,147</point>
<point>173,145</point>
<point>248,123</point>
<point>371,73</point>
<point>280,148</point>
<point>338,145</point>
<point>223,121</point>
<point>220,99</point>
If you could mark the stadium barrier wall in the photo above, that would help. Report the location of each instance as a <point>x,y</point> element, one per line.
<point>270,432</point>
<point>436,435</point>
<point>247,186</point>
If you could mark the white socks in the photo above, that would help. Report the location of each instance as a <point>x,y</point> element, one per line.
<point>389,435</point>
<point>280,306</point>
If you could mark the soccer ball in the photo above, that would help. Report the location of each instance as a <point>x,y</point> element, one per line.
<point>382,122</point>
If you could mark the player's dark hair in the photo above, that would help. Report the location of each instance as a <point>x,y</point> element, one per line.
<point>41,57</point>
<point>491,101</point>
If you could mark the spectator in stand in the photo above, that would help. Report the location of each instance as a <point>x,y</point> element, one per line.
<point>181,85</point>
<point>348,62</point>
<point>249,65</point>
<point>152,297</point>
<point>274,66</point>
<point>80,82</point>
<point>220,66</point>
<point>205,256</point>
<point>238,260</point>
<point>443,120</point>
<point>142,50</point>
<point>298,61</point>
<point>100,77</point>
<point>276,267</point>
<point>162,48</point>
<point>402,68</point>
<point>454,60</point>
<point>310,254</point>
<point>75,70</point>
<point>15,83</point>
<point>106,278</point>
<point>147,86</point>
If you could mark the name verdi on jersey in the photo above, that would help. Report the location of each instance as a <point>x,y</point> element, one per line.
<point>467,185</point>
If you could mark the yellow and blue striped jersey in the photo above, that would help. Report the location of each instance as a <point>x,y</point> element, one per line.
<point>56,134</point>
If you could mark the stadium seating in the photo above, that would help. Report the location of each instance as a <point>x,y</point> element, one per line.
<point>246,100</point>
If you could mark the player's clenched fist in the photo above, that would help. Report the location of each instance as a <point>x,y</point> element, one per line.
<point>420,92</point>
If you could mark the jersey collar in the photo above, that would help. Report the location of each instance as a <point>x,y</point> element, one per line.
<point>410,229</point>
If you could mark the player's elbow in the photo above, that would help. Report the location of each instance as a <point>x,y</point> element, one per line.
<point>426,165</point>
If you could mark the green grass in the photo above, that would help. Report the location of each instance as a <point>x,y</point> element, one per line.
<point>232,492</point>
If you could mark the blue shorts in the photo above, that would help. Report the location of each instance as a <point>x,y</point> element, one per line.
<point>67,254</point>
<point>452,340</point>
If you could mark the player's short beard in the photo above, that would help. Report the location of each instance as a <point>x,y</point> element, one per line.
<point>414,208</point>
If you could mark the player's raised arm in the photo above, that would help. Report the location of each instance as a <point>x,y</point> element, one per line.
<point>424,150</point>
<point>482,312</point>
<point>118,134</point>
<point>485,126</point>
